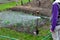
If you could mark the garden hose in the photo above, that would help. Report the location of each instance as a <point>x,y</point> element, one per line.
<point>1,36</point>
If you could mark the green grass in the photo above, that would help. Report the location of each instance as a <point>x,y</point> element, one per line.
<point>18,35</point>
<point>25,1</point>
<point>11,4</point>
<point>22,36</point>
<point>7,5</point>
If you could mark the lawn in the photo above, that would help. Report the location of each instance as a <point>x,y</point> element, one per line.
<point>11,4</point>
<point>7,5</point>
<point>23,36</point>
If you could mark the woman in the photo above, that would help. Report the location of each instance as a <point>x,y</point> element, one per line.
<point>55,20</point>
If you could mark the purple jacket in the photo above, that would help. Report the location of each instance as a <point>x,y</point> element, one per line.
<point>54,16</point>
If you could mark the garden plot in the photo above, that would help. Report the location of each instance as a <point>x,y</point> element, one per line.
<point>19,21</point>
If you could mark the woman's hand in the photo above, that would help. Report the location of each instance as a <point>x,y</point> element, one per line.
<point>52,31</point>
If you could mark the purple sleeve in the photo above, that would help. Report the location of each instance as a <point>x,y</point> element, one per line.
<point>54,16</point>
